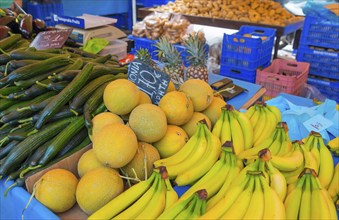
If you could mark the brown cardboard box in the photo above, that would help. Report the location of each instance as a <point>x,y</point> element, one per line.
<point>68,163</point>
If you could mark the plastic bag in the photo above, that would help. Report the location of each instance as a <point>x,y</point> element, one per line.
<point>311,92</point>
<point>139,29</point>
<point>317,9</point>
<point>214,56</point>
<point>155,24</point>
<point>176,28</point>
<point>200,33</point>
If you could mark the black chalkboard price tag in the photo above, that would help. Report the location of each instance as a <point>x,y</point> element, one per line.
<point>51,39</point>
<point>149,80</point>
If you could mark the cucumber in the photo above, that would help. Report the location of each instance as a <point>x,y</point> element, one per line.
<point>4,59</point>
<point>9,90</point>
<point>64,96</point>
<point>9,41</point>
<point>103,70</point>
<point>62,139</point>
<point>6,149</point>
<point>77,65</point>
<point>37,154</point>
<point>20,63</point>
<point>67,75</point>
<point>74,142</point>
<point>102,59</point>
<point>5,103</point>
<point>57,86</point>
<point>37,106</point>
<point>21,133</point>
<point>81,52</point>
<point>21,151</point>
<point>33,55</point>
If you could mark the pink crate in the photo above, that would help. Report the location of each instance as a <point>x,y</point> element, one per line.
<point>283,76</point>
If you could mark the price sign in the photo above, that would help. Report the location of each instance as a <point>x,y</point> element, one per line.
<point>51,39</point>
<point>149,80</point>
<point>317,123</point>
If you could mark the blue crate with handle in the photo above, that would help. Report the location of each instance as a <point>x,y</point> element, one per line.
<point>45,11</point>
<point>151,3</point>
<point>328,87</point>
<point>250,47</point>
<point>322,63</point>
<point>248,75</point>
<point>322,33</point>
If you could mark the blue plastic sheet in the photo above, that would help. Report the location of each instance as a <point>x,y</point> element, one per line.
<point>316,8</point>
<point>295,115</point>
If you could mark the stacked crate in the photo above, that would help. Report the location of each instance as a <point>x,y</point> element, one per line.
<point>319,46</point>
<point>245,51</point>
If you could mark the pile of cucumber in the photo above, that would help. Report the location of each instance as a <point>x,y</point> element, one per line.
<point>47,101</point>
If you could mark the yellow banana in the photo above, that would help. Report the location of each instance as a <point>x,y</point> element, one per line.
<point>157,203</point>
<point>214,178</point>
<point>292,176</point>
<point>333,145</point>
<point>274,207</point>
<point>315,152</point>
<point>202,167</point>
<point>187,212</point>
<point>255,117</point>
<point>246,128</point>
<point>250,111</point>
<point>269,128</point>
<point>330,204</point>
<point>333,188</point>
<point>238,209</point>
<point>139,205</point>
<point>293,199</point>
<point>275,111</point>
<point>236,133</point>
<point>124,200</point>
<point>276,144</point>
<point>309,141</point>
<point>182,154</point>
<point>319,207</point>
<point>326,166</point>
<point>289,162</point>
<point>175,209</point>
<point>171,195</point>
<point>305,205</point>
<point>218,126</point>
<point>223,205</point>
<point>253,152</point>
<point>226,128</point>
<point>286,145</point>
<point>199,209</point>
<point>277,180</point>
<point>259,129</point>
<point>195,157</point>
<point>256,207</point>
<point>310,161</point>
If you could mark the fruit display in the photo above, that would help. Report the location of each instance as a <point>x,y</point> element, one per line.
<point>263,12</point>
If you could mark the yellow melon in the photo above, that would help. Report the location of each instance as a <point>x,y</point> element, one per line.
<point>144,98</point>
<point>103,119</point>
<point>192,125</point>
<point>171,87</point>
<point>88,162</point>
<point>213,111</point>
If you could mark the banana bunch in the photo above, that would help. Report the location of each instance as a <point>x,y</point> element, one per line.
<point>333,146</point>
<point>190,208</point>
<point>218,178</point>
<point>249,197</point>
<point>278,143</point>
<point>144,200</point>
<point>195,158</point>
<point>263,118</point>
<point>333,188</point>
<point>234,126</point>
<point>318,157</point>
<point>309,200</point>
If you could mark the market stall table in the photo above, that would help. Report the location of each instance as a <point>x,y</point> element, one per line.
<point>232,24</point>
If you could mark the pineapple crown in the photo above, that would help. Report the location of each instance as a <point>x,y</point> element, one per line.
<point>195,48</point>
<point>167,53</point>
<point>144,55</point>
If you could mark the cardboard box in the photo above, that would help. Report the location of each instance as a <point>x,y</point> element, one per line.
<point>69,163</point>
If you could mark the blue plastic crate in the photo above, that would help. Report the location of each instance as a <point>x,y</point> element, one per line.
<point>151,3</point>
<point>322,63</point>
<point>248,75</point>
<point>248,52</point>
<point>322,33</point>
<point>45,11</point>
<point>328,87</point>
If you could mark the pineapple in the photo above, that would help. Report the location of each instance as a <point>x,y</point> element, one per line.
<point>145,56</point>
<point>196,57</point>
<point>173,65</point>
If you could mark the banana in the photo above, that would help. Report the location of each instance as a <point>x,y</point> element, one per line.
<point>171,195</point>
<point>175,209</point>
<point>331,206</point>
<point>292,176</point>
<point>333,145</point>
<point>199,209</point>
<point>309,141</point>
<point>250,111</point>
<point>289,162</point>
<point>240,205</point>
<point>139,205</point>
<point>326,168</point>
<point>195,157</point>
<point>259,129</point>
<point>333,188</point>
<point>276,144</point>
<point>237,134</point>
<point>293,199</point>
<point>256,206</point>
<point>273,207</point>
<point>277,180</point>
<point>315,152</point>
<point>202,167</point>
<point>233,172</point>
<point>253,152</point>
<point>269,128</point>
<point>187,212</point>
<point>286,145</point>
<point>246,128</point>
<point>255,117</point>
<point>319,207</point>
<point>310,161</point>
<point>225,203</point>
<point>182,154</point>
<point>218,126</point>
<point>275,111</point>
<point>212,180</point>
<point>124,200</point>
<point>226,127</point>
<point>305,204</point>
<point>157,203</point>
